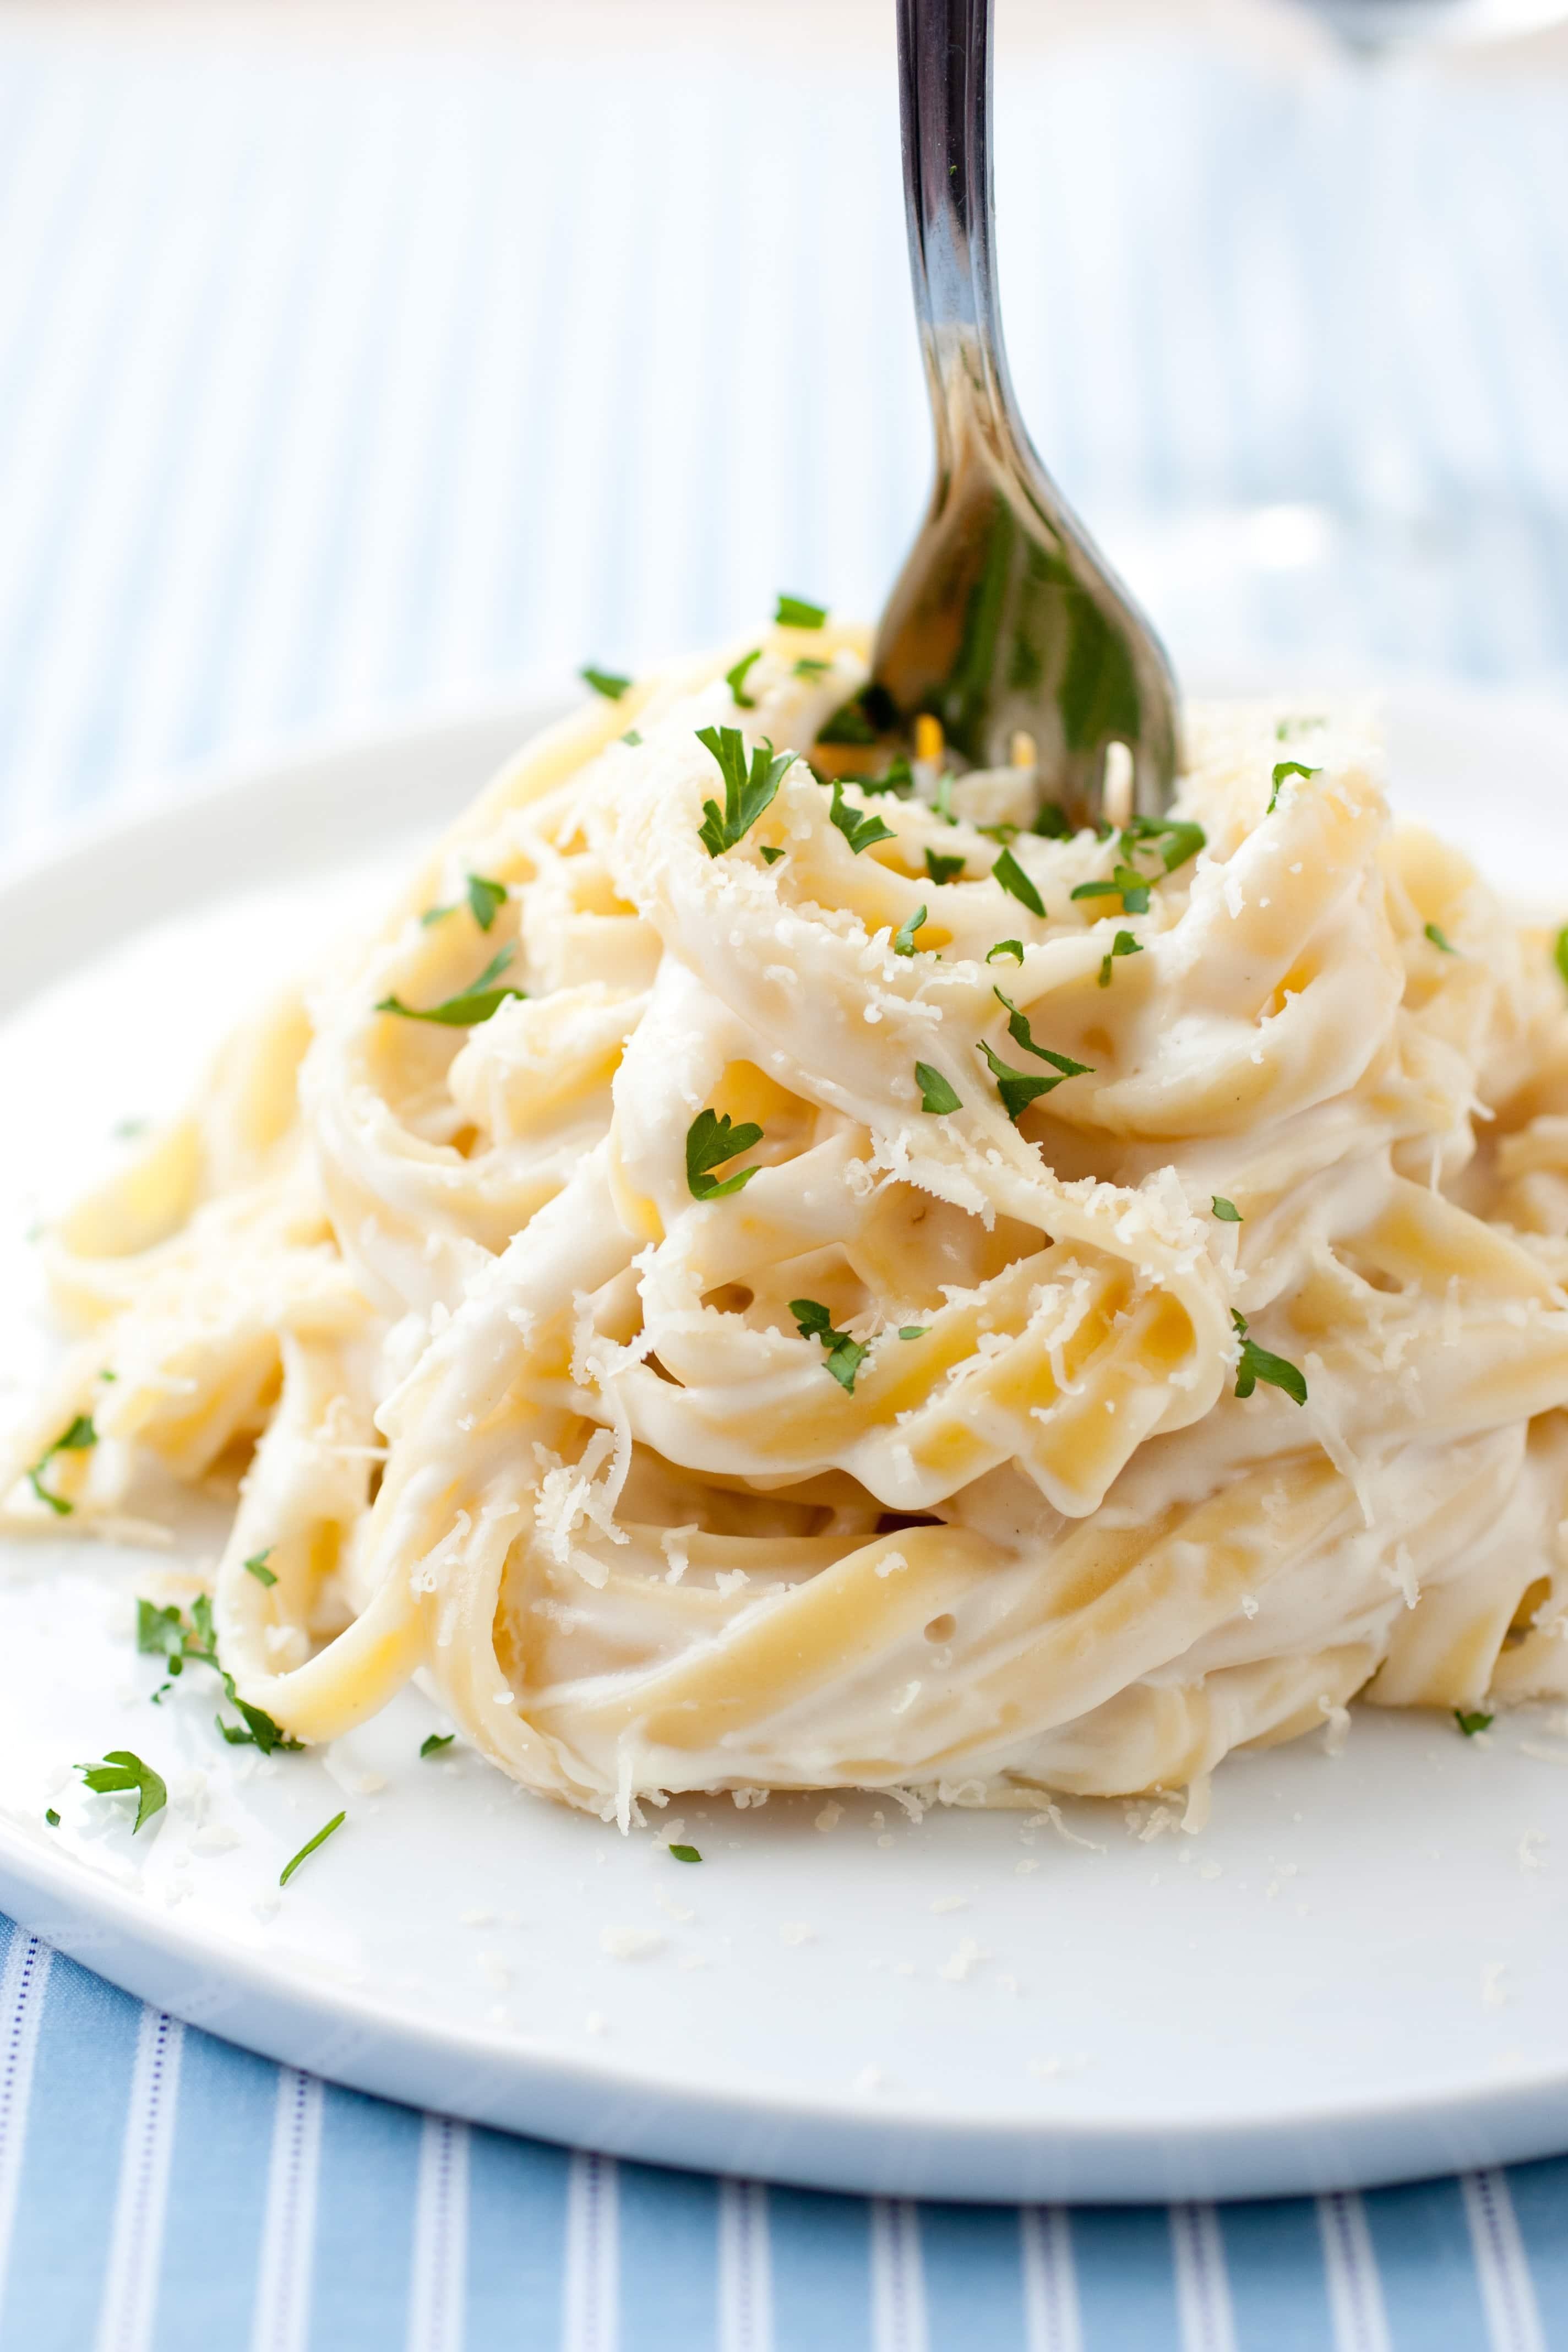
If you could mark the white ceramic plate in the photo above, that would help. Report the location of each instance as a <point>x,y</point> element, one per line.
<point>1354,1973</point>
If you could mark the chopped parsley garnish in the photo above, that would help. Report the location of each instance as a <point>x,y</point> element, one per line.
<point>486,899</point>
<point>794,612</point>
<point>1470,1724</point>
<point>848,724</point>
<point>1282,768</point>
<point>77,1439</point>
<point>845,1355</point>
<point>1226,1211</point>
<point>437,914</point>
<point>604,682</point>
<point>811,666</point>
<point>683,1854</point>
<point>941,803</point>
<point>1016,883</point>
<point>164,1634</point>
<point>735,679</point>
<point>1002,832</point>
<point>631,737</point>
<point>768,853</point>
<point>746,796</point>
<point>904,937</point>
<point>434,1741</point>
<point>256,1567</point>
<point>1018,1088</point>
<point>52,1817</point>
<point>900,779</point>
<point>1123,944</point>
<point>941,869</point>
<point>936,1095</point>
<point>860,832</point>
<point>1014,948</point>
<point>1434,933</point>
<point>469,1006</point>
<point>1124,884</point>
<point>913,1330</point>
<point>1256,1364</point>
<point>287,1872</point>
<point>1173,839</point>
<point>1052,822</point>
<point>1019,1031</point>
<point>709,1141</point>
<point>1285,728</point>
<point>120,1769</point>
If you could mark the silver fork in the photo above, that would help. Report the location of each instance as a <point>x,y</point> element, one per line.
<point>1005,619</point>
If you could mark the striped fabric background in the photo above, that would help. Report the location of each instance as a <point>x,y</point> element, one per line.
<point>340,379</point>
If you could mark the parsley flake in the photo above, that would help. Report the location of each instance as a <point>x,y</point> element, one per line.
<point>77,1439</point>
<point>768,853</point>
<point>120,1769</point>
<point>904,937</point>
<point>1125,884</point>
<point>1052,822</point>
<point>434,1741</point>
<point>256,1567</point>
<point>735,679</point>
<point>940,870</point>
<point>1013,948</point>
<point>1019,1031</point>
<point>485,899</point>
<point>848,724</point>
<point>1016,1087</point>
<point>52,1817</point>
<point>913,1330</point>
<point>164,1633</point>
<point>1434,933</point>
<point>604,682</point>
<point>1282,768</point>
<point>683,1854</point>
<point>936,1095</point>
<point>1172,839</point>
<point>631,737</point>
<point>1256,1364</point>
<point>845,1355</point>
<point>746,796</point>
<point>794,612</point>
<point>1226,1210</point>
<point>1123,944</point>
<point>437,914</point>
<point>1469,1724</point>
<point>1002,832</point>
<point>860,832</point>
<point>900,779</point>
<point>941,803</point>
<point>709,1141</point>
<point>287,1872</point>
<point>1016,883</point>
<point>471,1005</point>
<point>811,666</point>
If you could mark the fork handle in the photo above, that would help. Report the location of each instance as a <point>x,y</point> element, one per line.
<point>944,98</point>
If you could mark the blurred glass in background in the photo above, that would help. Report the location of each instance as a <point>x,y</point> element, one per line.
<point>361,359</point>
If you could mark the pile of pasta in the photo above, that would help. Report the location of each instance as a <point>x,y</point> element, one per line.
<point>751,1282</point>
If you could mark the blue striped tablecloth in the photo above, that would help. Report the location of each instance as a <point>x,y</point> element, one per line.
<point>340,380</point>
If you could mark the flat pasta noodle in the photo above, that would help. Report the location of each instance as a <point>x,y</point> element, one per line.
<point>508,1406</point>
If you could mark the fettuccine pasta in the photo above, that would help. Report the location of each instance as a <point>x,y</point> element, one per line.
<point>749,1282</point>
